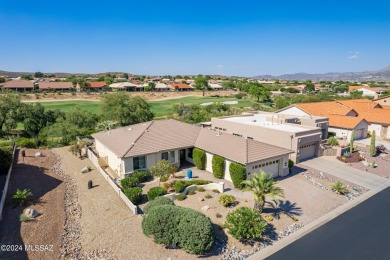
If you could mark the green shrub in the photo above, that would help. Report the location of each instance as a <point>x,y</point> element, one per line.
<point>199,157</point>
<point>218,215</point>
<point>347,155</point>
<point>215,190</point>
<point>340,187</point>
<point>156,192</point>
<point>290,164</point>
<point>372,144</point>
<point>332,141</point>
<point>198,182</point>
<point>238,174</point>
<point>208,196</point>
<point>21,196</point>
<point>218,165</point>
<point>331,134</point>
<point>26,142</point>
<point>226,200</point>
<point>129,182</point>
<point>201,189</point>
<point>187,228</point>
<point>158,202</point>
<point>245,223</point>
<point>5,158</point>
<point>134,195</point>
<point>23,218</point>
<point>140,175</point>
<point>191,192</point>
<point>165,177</point>
<point>180,185</point>
<point>181,197</point>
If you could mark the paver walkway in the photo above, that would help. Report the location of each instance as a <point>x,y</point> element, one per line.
<point>333,166</point>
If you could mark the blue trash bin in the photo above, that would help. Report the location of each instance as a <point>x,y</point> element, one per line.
<point>189,174</point>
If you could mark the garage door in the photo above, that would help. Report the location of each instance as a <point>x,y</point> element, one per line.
<point>358,134</point>
<point>270,167</point>
<point>307,151</point>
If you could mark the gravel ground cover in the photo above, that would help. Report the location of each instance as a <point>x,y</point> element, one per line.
<point>37,175</point>
<point>382,161</point>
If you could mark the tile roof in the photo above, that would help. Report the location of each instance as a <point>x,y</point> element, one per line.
<point>324,108</point>
<point>236,148</point>
<point>124,85</point>
<point>164,135</point>
<point>352,88</point>
<point>349,122</point>
<point>380,116</point>
<point>19,84</point>
<point>55,85</point>
<point>97,84</point>
<point>181,85</point>
<point>360,105</point>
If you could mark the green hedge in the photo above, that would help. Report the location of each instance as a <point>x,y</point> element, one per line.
<point>245,223</point>
<point>218,164</point>
<point>157,202</point>
<point>134,195</point>
<point>140,175</point>
<point>237,174</point>
<point>5,159</point>
<point>187,228</point>
<point>129,182</point>
<point>199,157</point>
<point>27,142</point>
<point>156,192</point>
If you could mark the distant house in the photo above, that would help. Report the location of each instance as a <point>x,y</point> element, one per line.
<point>19,85</point>
<point>97,86</point>
<point>215,86</point>
<point>141,146</point>
<point>126,86</point>
<point>367,91</point>
<point>300,88</point>
<point>181,87</point>
<point>55,86</point>
<point>161,87</point>
<point>383,101</point>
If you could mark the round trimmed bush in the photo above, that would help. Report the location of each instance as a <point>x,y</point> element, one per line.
<point>199,157</point>
<point>238,174</point>
<point>245,223</point>
<point>181,197</point>
<point>158,202</point>
<point>218,165</point>
<point>226,200</point>
<point>187,228</point>
<point>155,192</point>
<point>134,195</point>
<point>129,182</point>
<point>140,175</point>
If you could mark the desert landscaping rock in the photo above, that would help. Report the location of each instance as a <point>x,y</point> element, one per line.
<point>85,169</point>
<point>205,208</point>
<point>30,213</point>
<point>38,154</point>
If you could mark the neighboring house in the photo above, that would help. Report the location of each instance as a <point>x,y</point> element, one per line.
<point>181,87</point>
<point>302,135</point>
<point>215,86</point>
<point>55,86</point>
<point>141,146</point>
<point>300,88</point>
<point>383,100</point>
<point>162,87</point>
<point>97,86</point>
<point>367,91</point>
<point>19,85</point>
<point>376,117</point>
<point>126,86</point>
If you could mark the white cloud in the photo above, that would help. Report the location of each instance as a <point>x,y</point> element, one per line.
<point>354,55</point>
<point>219,66</point>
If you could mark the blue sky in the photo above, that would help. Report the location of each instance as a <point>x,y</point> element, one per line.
<point>243,38</point>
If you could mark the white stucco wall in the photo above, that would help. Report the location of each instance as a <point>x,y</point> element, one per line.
<point>340,132</point>
<point>227,171</point>
<point>209,164</point>
<point>293,111</point>
<point>376,127</point>
<point>113,161</point>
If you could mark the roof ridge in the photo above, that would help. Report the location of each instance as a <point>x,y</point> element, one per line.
<point>246,154</point>
<point>143,132</point>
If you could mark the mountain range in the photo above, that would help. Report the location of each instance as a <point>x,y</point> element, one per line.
<point>378,75</point>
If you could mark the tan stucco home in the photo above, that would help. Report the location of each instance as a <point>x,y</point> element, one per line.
<point>141,146</point>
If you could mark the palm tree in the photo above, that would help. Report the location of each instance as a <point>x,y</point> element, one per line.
<point>263,185</point>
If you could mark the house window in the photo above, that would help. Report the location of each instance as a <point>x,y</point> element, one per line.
<point>139,163</point>
<point>250,137</point>
<point>169,156</point>
<point>189,152</point>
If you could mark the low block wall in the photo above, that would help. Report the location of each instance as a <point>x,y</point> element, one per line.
<point>118,190</point>
<point>211,186</point>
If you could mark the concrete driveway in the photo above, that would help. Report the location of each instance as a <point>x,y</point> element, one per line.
<point>367,141</point>
<point>334,167</point>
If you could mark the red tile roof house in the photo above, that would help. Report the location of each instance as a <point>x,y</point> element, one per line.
<point>55,86</point>
<point>181,87</point>
<point>141,146</point>
<point>94,86</point>
<point>19,85</point>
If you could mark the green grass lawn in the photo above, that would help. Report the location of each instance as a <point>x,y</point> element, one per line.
<point>159,108</point>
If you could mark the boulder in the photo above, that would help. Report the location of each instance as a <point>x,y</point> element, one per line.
<point>205,208</point>
<point>30,213</point>
<point>85,169</point>
<point>38,154</point>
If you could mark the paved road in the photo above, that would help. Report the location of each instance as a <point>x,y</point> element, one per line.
<point>334,167</point>
<point>360,233</point>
